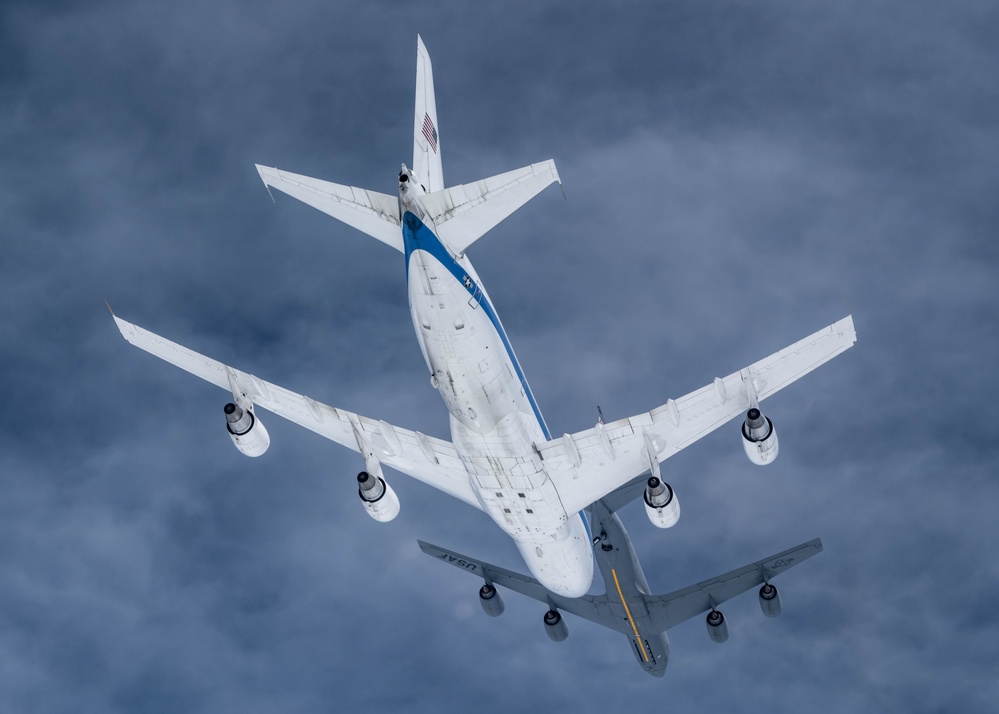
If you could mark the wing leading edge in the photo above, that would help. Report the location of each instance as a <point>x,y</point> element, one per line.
<point>425,458</point>
<point>589,464</point>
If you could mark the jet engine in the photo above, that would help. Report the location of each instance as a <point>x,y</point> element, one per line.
<point>490,600</point>
<point>246,430</point>
<point>378,498</point>
<point>770,600</point>
<point>555,626</point>
<point>759,438</point>
<point>717,627</point>
<point>661,504</point>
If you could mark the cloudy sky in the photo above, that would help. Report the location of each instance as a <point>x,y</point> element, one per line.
<point>737,175</point>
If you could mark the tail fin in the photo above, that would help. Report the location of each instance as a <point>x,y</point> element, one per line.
<point>426,130</point>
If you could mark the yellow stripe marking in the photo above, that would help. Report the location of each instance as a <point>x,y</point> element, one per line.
<point>638,638</point>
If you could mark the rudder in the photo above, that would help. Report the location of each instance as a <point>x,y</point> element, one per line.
<point>426,131</point>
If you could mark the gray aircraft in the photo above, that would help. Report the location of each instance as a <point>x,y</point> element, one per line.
<point>628,606</point>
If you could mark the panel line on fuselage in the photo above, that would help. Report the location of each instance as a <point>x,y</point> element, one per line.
<point>416,235</point>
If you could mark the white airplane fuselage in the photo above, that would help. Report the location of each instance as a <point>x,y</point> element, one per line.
<point>502,457</point>
<point>495,421</point>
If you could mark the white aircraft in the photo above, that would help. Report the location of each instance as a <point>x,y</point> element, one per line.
<point>501,458</point>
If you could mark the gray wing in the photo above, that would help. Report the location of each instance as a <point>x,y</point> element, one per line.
<point>670,610</point>
<point>624,495</point>
<point>594,608</point>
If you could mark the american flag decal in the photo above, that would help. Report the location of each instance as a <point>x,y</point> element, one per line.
<point>430,132</point>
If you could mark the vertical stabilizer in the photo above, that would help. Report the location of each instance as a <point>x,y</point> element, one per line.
<point>426,133</point>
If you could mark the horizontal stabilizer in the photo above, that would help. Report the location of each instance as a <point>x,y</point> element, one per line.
<point>464,213</point>
<point>376,214</point>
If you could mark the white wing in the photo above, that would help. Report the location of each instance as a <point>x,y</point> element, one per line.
<point>589,464</point>
<point>433,461</point>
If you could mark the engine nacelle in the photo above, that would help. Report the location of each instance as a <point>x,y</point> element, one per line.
<point>770,600</point>
<point>378,498</point>
<point>759,437</point>
<point>246,430</point>
<point>555,626</point>
<point>490,600</point>
<point>661,504</point>
<point>717,627</point>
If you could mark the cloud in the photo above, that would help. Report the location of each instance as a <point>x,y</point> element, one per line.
<point>735,178</point>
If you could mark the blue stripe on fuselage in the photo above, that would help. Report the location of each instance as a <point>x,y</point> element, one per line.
<point>417,236</point>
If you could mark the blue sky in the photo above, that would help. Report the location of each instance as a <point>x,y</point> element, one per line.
<point>736,176</point>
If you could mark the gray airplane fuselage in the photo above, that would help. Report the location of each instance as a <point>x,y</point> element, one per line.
<point>626,586</point>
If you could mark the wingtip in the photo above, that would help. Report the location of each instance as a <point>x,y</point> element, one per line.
<point>124,327</point>
<point>263,177</point>
<point>554,170</point>
<point>119,323</point>
<point>848,328</point>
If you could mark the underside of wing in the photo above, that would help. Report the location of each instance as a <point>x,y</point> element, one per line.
<point>673,608</point>
<point>589,464</point>
<point>376,214</point>
<point>589,607</point>
<point>425,458</point>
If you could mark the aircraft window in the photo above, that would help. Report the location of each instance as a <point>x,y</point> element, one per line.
<point>506,510</point>
<point>530,511</point>
<point>499,495</point>
<point>521,495</point>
